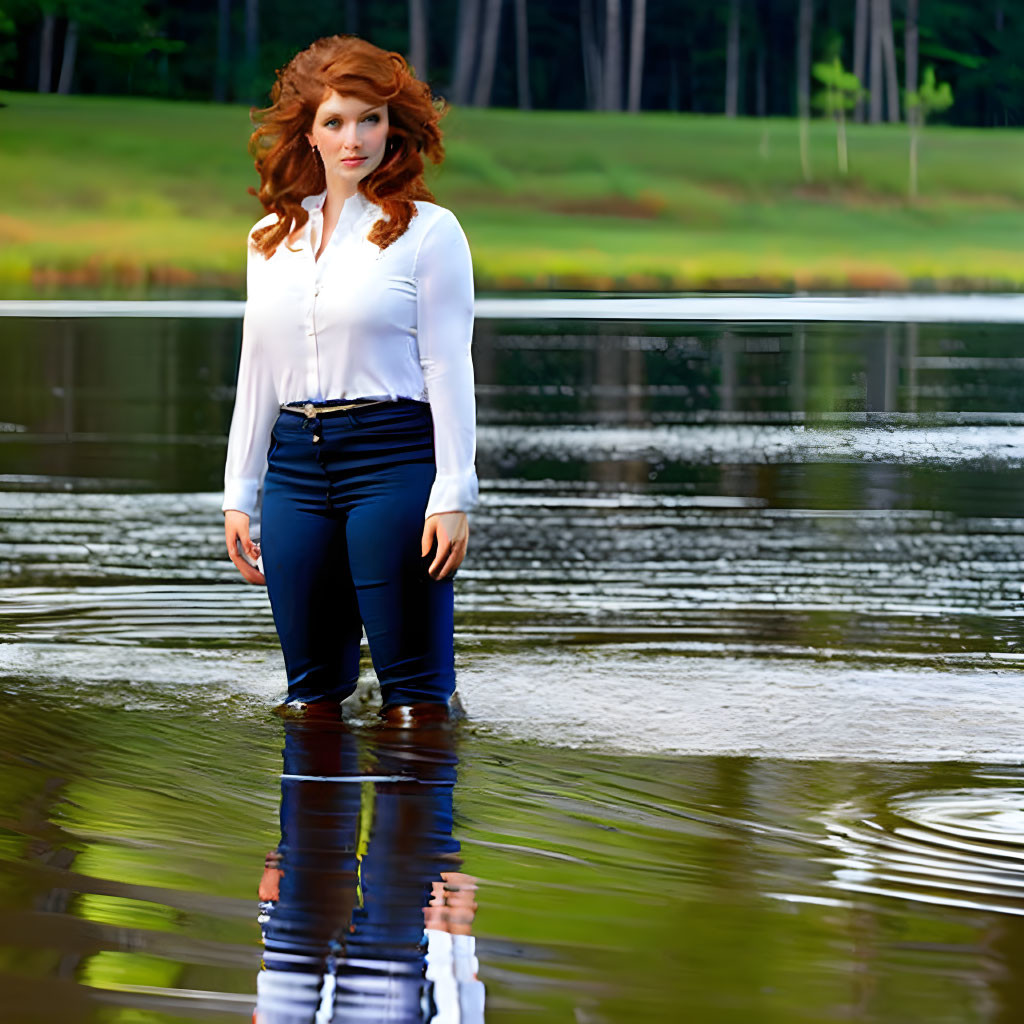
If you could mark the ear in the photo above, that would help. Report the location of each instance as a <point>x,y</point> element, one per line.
<point>309,138</point>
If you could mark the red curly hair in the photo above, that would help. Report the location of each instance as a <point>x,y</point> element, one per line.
<point>290,170</point>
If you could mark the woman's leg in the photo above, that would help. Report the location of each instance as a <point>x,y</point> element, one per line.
<point>305,561</point>
<point>408,616</point>
<point>381,465</point>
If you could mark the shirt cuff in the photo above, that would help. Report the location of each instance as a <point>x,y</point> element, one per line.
<point>455,492</point>
<point>241,495</point>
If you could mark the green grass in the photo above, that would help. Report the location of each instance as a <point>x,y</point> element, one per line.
<point>122,196</point>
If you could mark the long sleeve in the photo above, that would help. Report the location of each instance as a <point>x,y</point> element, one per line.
<point>256,409</point>
<point>444,274</point>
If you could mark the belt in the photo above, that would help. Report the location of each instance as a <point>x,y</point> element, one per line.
<point>313,409</point>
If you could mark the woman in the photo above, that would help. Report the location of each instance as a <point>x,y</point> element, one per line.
<point>354,409</point>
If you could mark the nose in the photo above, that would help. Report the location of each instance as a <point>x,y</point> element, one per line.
<point>350,138</point>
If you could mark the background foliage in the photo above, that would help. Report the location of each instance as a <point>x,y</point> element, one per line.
<point>228,49</point>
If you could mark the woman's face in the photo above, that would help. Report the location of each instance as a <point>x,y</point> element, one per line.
<point>351,135</point>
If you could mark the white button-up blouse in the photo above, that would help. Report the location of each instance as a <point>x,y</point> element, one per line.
<point>359,323</point>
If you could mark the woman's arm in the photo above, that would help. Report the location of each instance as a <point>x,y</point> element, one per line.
<point>444,276</point>
<point>256,408</point>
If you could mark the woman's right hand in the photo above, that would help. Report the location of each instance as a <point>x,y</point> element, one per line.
<point>236,535</point>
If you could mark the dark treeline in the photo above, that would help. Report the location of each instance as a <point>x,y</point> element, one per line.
<point>738,57</point>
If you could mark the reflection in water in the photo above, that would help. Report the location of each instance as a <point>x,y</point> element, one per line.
<point>365,914</point>
<point>647,889</point>
<point>786,541</point>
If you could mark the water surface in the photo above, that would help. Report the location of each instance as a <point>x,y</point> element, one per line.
<point>738,640</point>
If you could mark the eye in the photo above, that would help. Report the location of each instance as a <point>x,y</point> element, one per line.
<point>330,122</point>
<point>372,117</point>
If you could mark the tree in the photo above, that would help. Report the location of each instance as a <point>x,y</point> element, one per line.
<point>7,48</point>
<point>841,93</point>
<point>805,31</point>
<point>636,55</point>
<point>352,17</point>
<point>910,47</point>
<point>732,60</point>
<point>860,52</point>
<point>892,89</point>
<point>931,98</point>
<point>522,57</point>
<point>612,55</point>
<point>252,49</point>
<point>222,69</point>
<point>761,48</point>
<point>419,37</point>
<point>593,77</point>
<point>80,17</point>
<point>465,50</point>
<point>46,50</point>
<point>488,53</point>
<point>67,61</point>
<point>883,64</point>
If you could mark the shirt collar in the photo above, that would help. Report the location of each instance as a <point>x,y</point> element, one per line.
<point>311,203</point>
<point>359,204</point>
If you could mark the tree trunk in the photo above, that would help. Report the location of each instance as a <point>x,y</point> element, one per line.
<point>488,53</point>
<point>593,78</point>
<point>418,37</point>
<point>222,71</point>
<point>252,48</point>
<point>841,153</point>
<point>892,87</point>
<point>914,129</point>
<point>612,55</point>
<point>910,48</point>
<point>351,17</point>
<point>805,33</point>
<point>761,65</point>
<point>693,74</point>
<point>67,63</point>
<point>876,87</point>
<point>636,55</point>
<point>465,50</point>
<point>1000,24</point>
<point>522,57</point>
<point>760,84</point>
<point>732,60</point>
<point>46,52</point>
<point>860,54</point>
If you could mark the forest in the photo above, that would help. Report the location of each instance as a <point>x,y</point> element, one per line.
<point>746,58</point>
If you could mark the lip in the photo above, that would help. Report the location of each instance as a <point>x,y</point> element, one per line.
<point>353,161</point>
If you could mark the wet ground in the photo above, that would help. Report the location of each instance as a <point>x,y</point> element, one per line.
<point>739,645</point>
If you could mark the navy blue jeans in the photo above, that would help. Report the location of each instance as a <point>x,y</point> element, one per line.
<point>343,507</point>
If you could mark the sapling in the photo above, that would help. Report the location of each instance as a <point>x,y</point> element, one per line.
<point>841,93</point>
<point>931,98</point>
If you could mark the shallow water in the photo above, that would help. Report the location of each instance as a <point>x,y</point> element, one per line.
<point>739,644</point>
<point>609,888</point>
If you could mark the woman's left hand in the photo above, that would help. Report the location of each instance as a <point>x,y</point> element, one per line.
<point>451,530</point>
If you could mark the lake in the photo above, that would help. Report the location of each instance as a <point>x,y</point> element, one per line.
<point>739,648</point>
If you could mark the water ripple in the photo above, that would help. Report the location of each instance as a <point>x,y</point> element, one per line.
<point>959,847</point>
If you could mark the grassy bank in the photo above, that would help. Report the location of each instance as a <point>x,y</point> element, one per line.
<point>121,196</point>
